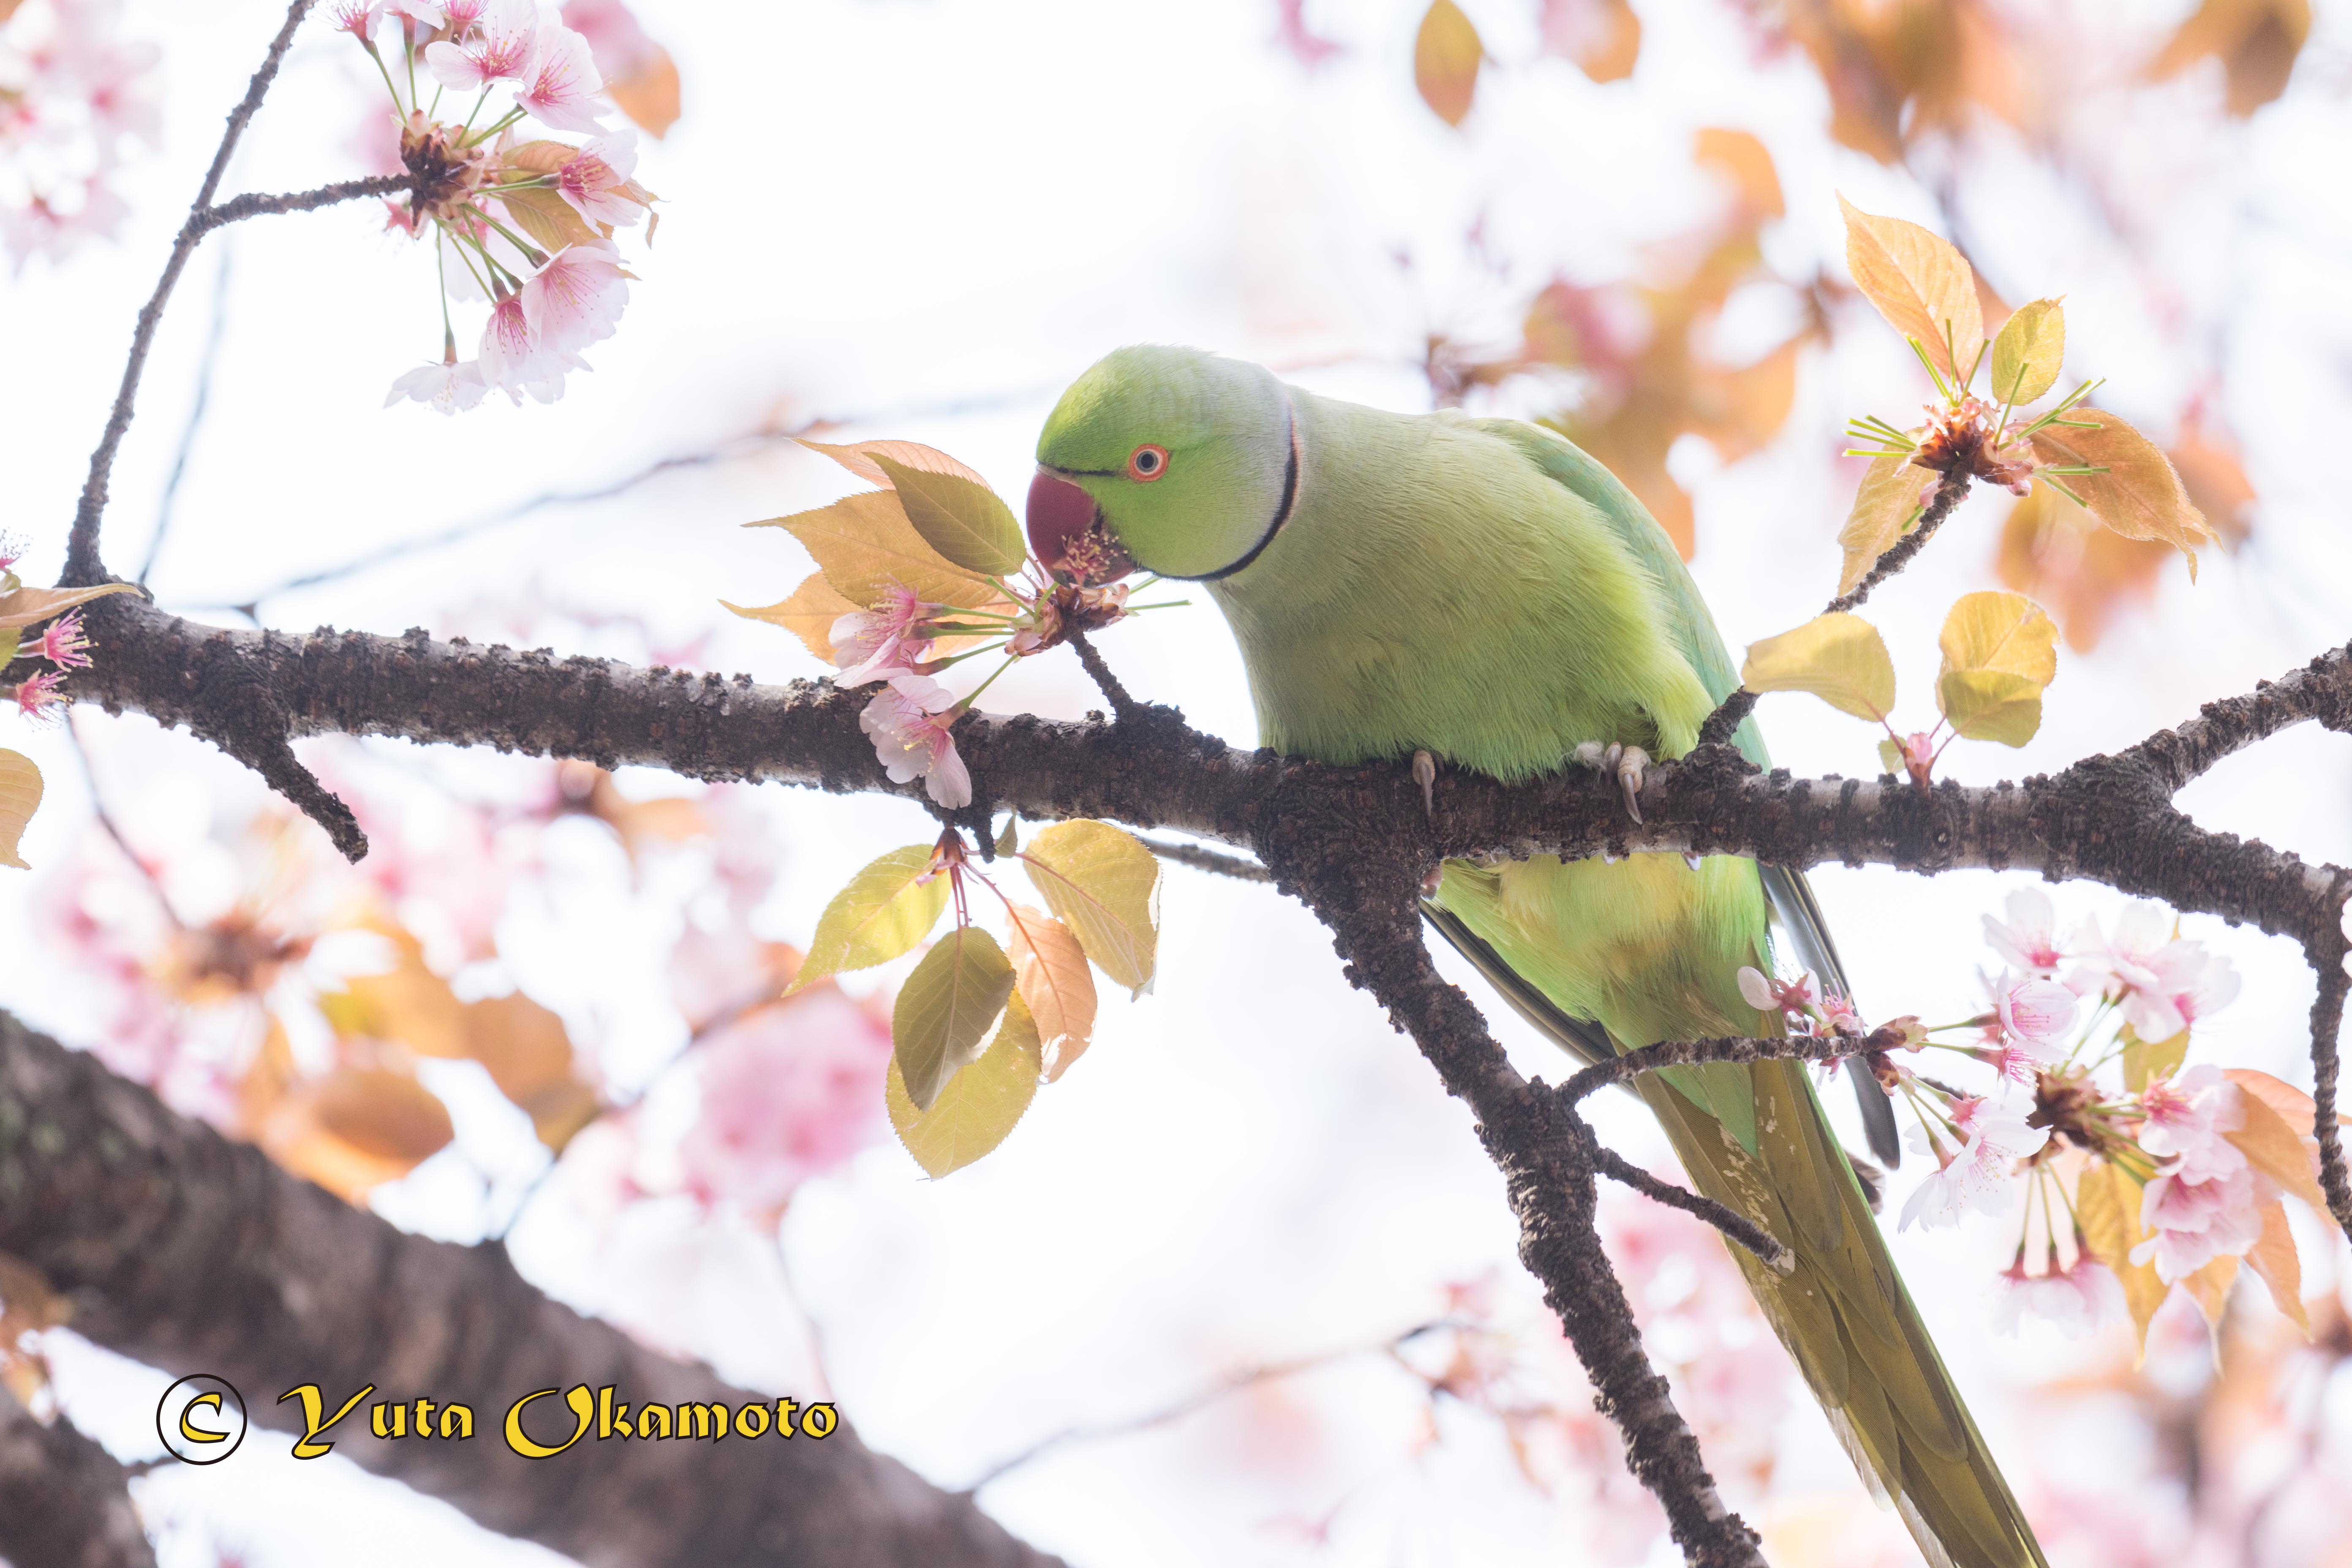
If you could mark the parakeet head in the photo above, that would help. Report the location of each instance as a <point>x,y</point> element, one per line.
<point>1170,459</point>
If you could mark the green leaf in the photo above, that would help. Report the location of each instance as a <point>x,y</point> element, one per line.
<point>883,913</point>
<point>2146,1059</point>
<point>863,542</point>
<point>1884,505</point>
<point>2027,353</point>
<point>978,1107</point>
<point>945,1008</point>
<point>1010,839</point>
<point>1999,651</point>
<point>1106,887</point>
<point>1838,658</point>
<point>20,796</point>
<point>11,639</point>
<point>1890,756</point>
<point>966,522</point>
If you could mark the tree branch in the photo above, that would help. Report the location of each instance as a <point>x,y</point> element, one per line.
<point>1946,501</point>
<point>65,1501</point>
<point>196,1254</point>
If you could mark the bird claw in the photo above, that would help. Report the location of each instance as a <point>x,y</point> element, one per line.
<point>1626,761</point>
<point>1424,773</point>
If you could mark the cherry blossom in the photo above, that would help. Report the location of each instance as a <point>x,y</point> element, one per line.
<point>2077,1301</point>
<point>448,388</point>
<point>876,644</point>
<point>2195,1222</point>
<point>513,359</point>
<point>460,13</point>
<point>909,724</point>
<point>1770,994</point>
<point>2035,1013</point>
<point>2028,940</point>
<point>2189,1116</point>
<point>789,1092</point>
<point>500,49</point>
<point>63,644</point>
<point>40,696</point>
<point>575,299</point>
<point>1977,1176</point>
<point>72,92</point>
<point>561,84</point>
<point>596,182</point>
<point>616,41</point>
<point>358,17</point>
<point>2187,984</point>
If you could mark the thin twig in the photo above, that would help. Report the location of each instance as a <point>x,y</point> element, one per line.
<point>195,417</point>
<point>261,204</point>
<point>1729,1048</point>
<point>1738,1227</point>
<point>1204,860</point>
<point>1122,706</point>
<point>83,565</point>
<point>1947,497</point>
<point>2327,1025</point>
<point>1200,1399</point>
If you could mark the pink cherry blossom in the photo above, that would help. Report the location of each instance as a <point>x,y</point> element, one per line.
<point>789,1091</point>
<point>515,361</point>
<point>39,697</point>
<point>2189,1117</point>
<point>2077,1301</point>
<point>500,49</point>
<point>449,388</point>
<point>561,84</point>
<point>358,17</point>
<point>2196,1222</point>
<point>616,41</point>
<point>2028,940</point>
<point>433,14</point>
<point>909,724</point>
<point>1771,993</point>
<point>62,643</point>
<point>2034,1013</point>
<point>594,180</point>
<point>575,299</point>
<point>2125,962</point>
<point>2188,983</point>
<point>876,644</point>
<point>1978,1174</point>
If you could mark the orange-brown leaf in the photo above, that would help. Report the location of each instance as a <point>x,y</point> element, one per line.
<point>1920,283</point>
<point>649,94</point>
<point>808,614</point>
<point>858,456</point>
<point>2272,1259</point>
<point>2255,40</point>
<point>2139,495</point>
<point>529,1056</point>
<point>25,607</point>
<point>1739,156</point>
<point>2276,1148</point>
<point>2054,551</point>
<point>1049,970</point>
<point>551,222</point>
<point>1602,36</point>
<point>356,1129</point>
<point>1446,55</point>
<point>2209,1286</point>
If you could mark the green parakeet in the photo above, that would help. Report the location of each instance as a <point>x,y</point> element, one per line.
<point>1482,590</point>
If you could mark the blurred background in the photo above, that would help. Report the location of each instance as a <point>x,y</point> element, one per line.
<point>1241,1288</point>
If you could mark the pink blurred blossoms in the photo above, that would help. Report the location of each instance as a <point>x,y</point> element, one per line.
<point>73,94</point>
<point>522,224</point>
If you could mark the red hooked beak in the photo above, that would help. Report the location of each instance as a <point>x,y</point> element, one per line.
<point>1068,532</point>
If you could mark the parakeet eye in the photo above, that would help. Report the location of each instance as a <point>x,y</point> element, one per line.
<point>1146,463</point>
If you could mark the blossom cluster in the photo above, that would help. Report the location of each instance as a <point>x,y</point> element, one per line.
<point>2170,1175</point>
<point>521,223</point>
<point>73,93</point>
<point>62,644</point>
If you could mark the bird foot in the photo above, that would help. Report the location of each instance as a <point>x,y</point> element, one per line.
<point>1424,773</point>
<point>1626,762</point>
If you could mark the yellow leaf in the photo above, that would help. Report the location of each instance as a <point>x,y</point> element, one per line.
<point>540,157</point>
<point>1990,705</point>
<point>2272,1259</point>
<point>1838,658</point>
<point>2146,1059</point>
<point>649,94</point>
<point>1883,508</point>
<point>1050,973</point>
<point>2027,353</point>
<point>1445,58</point>
<point>978,1107</point>
<point>863,542</point>
<point>2000,652</point>
<point>945,1008</point>
<point>2255,40</point>
<point>858,457</point>
<point>29,606</point>
<point>2209,1286</point>
<point>808,614</point>
<point>884,912</point>
<point>2107,1206</point>
<point>357,1128</point>
<point>2276,1150</point>
<point>961,519</point>
<point>2138,495</point>
<point>1106,887</point>
<point>20,796</point>
<point>551,222</point>
<point>1924,287</point>
<point>409,1003</point>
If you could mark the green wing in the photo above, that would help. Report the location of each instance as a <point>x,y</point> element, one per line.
<point>1793,906</point>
